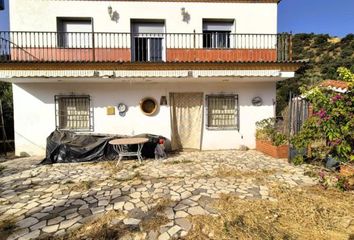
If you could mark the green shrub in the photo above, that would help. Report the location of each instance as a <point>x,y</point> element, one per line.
<point>332,121</point>
<point>267,131</point>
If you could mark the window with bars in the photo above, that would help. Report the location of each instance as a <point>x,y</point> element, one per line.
<point>73,112</point>
<point>222,112</point>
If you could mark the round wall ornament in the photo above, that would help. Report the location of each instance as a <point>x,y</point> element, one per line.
<point>257,101</point>
<point>148,106</point>
<point>122,108</point>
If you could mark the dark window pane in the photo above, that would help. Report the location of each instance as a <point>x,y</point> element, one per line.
<point>155,49</point>
<point>216,39</point>
<point>140,49</point>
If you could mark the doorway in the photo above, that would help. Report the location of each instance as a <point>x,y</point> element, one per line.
<point>186,120</point>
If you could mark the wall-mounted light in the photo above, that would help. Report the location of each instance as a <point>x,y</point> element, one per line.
<point>163,101</point>
<point>185,15</point>
<point>114,15</point>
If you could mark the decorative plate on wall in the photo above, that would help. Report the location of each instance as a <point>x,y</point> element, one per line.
<point>257,101</point>
<point>122,108</point>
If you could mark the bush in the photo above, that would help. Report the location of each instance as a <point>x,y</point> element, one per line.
<point>332,121</point>
<point>268,130</point>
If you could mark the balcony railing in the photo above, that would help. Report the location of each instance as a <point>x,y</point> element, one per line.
<point>129,47</point>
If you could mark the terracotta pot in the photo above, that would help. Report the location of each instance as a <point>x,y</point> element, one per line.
<point>346,170</point>
<point>266,147</point>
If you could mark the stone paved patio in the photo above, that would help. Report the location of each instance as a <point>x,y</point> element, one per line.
<point>55,199</point>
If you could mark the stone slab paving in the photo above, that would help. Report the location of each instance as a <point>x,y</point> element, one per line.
<point>49,200</point>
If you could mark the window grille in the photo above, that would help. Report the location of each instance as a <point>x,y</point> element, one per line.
<point>222,112</point>
<point>73,112</point>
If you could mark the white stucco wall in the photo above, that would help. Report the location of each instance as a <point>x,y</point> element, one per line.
<point>34,111</point>
<point>41,15</point>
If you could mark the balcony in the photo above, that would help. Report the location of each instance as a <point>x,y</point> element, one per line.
<point>74,47</point>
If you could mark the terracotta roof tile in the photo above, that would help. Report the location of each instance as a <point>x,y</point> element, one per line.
<point>336,84</point>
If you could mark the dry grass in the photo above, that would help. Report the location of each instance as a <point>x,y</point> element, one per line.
<point>309,213</point>
<point>84,185</point>
<point>258,176</point>
<point>7,227</point>
<point>2,168</point>
<point>111,166</point>
<point>182,161</point>
<point>99,229</point>
<point>155,218</point>
<point>102,228</point>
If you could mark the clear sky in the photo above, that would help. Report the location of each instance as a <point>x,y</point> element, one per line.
<point>335,17</point>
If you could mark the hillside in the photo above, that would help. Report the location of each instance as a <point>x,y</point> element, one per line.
<point>325,55</point>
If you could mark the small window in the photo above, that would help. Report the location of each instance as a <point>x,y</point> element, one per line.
<point>222,112</point>
<point>73,112</point>
<point>74,33</point>
<point>216,34</point>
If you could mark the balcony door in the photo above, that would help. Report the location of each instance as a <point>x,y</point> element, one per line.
<point>74,33</point>
<point>148,42</point>
<point>216,34</point>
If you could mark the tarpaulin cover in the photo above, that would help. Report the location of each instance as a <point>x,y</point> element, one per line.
<point>66,146</point>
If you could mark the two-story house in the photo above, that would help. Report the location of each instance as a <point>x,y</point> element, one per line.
<point>198,72</point>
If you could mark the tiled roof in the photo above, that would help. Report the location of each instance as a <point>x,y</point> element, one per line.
<point>337,85</point>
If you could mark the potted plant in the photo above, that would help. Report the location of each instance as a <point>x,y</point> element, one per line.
<point>270,140</point>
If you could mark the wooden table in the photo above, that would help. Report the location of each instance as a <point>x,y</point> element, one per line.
<point>118,146</point>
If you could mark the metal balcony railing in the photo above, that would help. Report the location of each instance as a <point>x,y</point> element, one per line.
<point>144,47</point>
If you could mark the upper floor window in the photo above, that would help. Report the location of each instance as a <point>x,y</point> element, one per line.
<point>148,41</point>
<point>216,34</point>
<point>75,32</point>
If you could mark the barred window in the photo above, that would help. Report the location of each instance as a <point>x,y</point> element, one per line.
<point>73,112</point>
<point>222,112</point>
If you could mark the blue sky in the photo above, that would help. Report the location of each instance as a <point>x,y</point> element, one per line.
<point>335,17</point>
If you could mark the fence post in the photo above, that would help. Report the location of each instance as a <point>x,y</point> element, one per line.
<point>291,46</point>
<point>290,123</point>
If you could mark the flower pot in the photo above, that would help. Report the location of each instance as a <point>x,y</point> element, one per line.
<point>267,148</point>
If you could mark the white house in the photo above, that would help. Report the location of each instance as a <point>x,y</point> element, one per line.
<point>199,72</point>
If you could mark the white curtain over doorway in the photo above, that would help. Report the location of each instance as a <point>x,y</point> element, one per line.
<point>186,120</point>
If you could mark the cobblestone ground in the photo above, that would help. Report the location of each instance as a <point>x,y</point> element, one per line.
<point>55,199</point>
